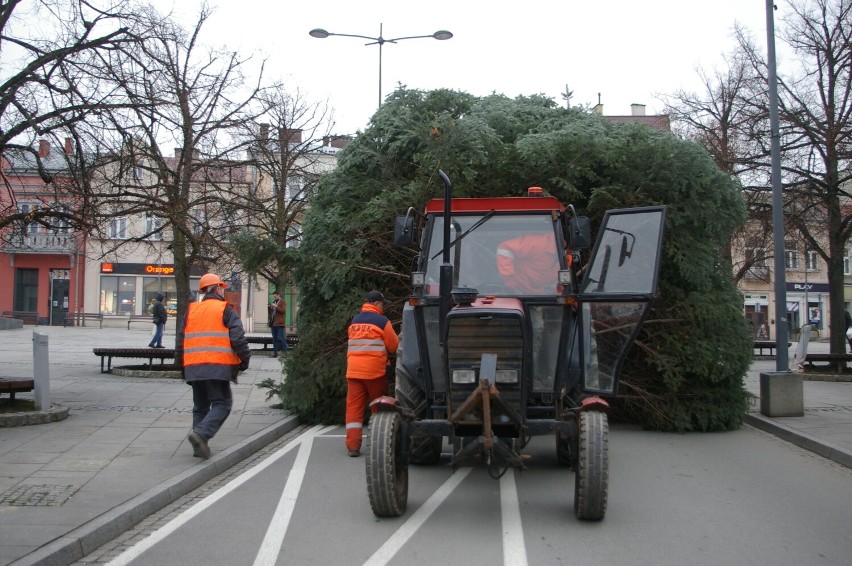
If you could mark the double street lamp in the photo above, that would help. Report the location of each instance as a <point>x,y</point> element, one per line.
<point>440,35</point>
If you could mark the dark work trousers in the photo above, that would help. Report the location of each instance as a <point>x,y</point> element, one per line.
<point>212,402</point>
<point>279,339</point>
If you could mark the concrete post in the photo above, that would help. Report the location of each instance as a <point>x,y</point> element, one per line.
<point>41,372</point>
<point>781,394</point>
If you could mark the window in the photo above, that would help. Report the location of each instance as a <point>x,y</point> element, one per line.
<point>295,187</point>
<point>153,226</point>
<point>755,255</point>
<point>199,222</point>
<point>137,173</point>
<point>791,255</point>
<point>118,295</point>
<point>118,227</point>
<point>60,225</point>
<point>811,260</point>
<point>27,208</point>
<point>846,265</point>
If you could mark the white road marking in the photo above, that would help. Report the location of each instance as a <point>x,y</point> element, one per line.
<point>137,549</point>
<point>271,545</point>
<point>514,549</point>
<point>387,551</point>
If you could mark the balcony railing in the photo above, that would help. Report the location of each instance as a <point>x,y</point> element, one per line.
<point>40,243</point>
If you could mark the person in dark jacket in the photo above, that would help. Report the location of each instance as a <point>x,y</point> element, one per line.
<point>371,338</point>
<point>848,326</point>
<point>160,317</point>
<point>212,349</point>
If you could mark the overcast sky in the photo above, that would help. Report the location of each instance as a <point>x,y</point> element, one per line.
<point>628,51</point>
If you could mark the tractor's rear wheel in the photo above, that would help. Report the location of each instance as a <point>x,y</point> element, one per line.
<point>409,393</point>
<point>592,475</point>
<point>387,470</point>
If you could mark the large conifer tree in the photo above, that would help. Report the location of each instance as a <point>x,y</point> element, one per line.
<point>685,371</point>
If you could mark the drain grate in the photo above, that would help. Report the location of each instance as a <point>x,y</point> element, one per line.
<point>38,495</point>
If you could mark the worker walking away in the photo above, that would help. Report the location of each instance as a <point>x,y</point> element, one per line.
<point>371,338</point>
<point>213,351</point>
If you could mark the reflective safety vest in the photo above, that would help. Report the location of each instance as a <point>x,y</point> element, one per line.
<point>371,337</point>
<point>206,338</point>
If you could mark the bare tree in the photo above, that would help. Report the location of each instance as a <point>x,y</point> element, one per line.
<point>730,119</point>
<point>189,99</point>
<point>52,86</point>
<point>721,120</point>
<point>289,150</point>
<point>815,111</point>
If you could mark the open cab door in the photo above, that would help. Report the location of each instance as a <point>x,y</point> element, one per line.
<point>619,283</point>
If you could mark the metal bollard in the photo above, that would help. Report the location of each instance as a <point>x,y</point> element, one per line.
<point>41,372</point>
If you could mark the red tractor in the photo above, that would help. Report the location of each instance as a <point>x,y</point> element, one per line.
<point>506,336</point>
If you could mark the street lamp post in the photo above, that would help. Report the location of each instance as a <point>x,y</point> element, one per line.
<point>440,35</point>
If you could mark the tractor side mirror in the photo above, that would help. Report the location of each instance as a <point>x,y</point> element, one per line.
<point>403,231</point>
<point>579,232</point>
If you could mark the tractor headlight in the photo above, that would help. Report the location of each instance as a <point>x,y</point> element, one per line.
<point>464,376</point>
<point>506,376</point>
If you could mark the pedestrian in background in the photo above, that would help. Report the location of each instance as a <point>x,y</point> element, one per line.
<point>371,338</point>
<point>278,324</point>
<point>212,352</point>
<point>160,317</point>
<point>848,329</point>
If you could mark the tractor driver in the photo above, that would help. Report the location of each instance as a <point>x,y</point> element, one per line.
<point>529,264</point>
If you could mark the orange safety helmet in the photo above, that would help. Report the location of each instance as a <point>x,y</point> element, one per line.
<point>209,279</point>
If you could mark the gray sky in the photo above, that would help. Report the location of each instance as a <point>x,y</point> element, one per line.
<point>627,51</point>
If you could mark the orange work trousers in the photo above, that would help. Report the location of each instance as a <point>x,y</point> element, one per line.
<point>359,392</point>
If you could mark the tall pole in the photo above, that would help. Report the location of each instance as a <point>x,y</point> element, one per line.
<point>381,42</point>
<point>782,362</point>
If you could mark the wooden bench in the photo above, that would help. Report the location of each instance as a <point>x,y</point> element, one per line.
<point>151,354</point>
<point>28,317</point>
<point>14,385</point>
<point>140,318</point>
<point>761,345</point>
<point>838,360</point>
<point>80,318</point>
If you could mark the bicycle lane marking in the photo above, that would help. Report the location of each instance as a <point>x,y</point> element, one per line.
<point>163,532</point>
<point>267,555</point>
<point>388,550</point>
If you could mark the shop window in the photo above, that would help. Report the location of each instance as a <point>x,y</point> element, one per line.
<point>118,295</point>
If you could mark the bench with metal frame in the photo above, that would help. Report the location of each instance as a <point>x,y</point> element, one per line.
<point>15,385</point>
<point>28,317</point>
<point>140,318</point>
<point>80,318</point>
<point>151,354</point>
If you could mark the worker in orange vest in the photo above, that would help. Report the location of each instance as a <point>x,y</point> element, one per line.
<point>212,352</point>
<point>371,338</point>
<point>529,264</point>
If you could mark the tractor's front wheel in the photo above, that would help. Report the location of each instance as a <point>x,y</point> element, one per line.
<point>387,467</point>
<point>592,475</point>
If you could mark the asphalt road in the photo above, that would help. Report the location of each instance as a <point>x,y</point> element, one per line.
<point>742,497</point>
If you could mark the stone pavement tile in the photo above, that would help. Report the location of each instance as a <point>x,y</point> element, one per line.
<point>26,457</point>
<point>61,477</point>
<point>69,463</point>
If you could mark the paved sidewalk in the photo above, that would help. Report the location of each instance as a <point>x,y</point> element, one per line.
<point>68,487</point>
<point>826,427</point>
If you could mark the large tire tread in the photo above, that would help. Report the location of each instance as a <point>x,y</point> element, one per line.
<point>387,474</point>
<point>592,475</point>
<point>424,450</point>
